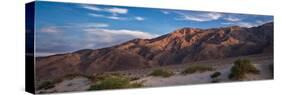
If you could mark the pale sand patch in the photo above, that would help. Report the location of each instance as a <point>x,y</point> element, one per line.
<point>199,78</point>
<point>223,66</point>
<point>75,84</point>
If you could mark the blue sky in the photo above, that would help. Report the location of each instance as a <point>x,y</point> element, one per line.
<point>68,27</point>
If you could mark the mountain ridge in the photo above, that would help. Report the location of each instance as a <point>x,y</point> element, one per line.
<point>181,46</point>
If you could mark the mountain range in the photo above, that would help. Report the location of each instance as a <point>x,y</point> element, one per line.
<point>182,46</point>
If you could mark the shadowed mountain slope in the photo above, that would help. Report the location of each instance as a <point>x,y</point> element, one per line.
<point>179,47</point>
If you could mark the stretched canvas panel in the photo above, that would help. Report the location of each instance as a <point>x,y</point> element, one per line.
<point>87,47</point>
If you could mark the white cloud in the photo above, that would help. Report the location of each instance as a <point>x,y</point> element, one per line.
<point>117,10</point>
<point>246,24</point>
<point>115,18</point>
<point>242,24</point>
<point>94,8</point>
<point>199,17</point>
<point>165,12</point>
<point>115,13</point>
<point>260,22</point>
<point>96,15</point>
<point>139,18</point>
<point>227,23</point>
<point>108,17</point>
<point>122,32</point>
<point>49,29</point>
<point>113,10</point>
<point>94,25</point>
<point>232,19</point>
<point>100,38</point>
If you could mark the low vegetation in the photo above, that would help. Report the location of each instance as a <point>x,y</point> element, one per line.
<point>161,73</point>
<point>241,68</point>
<point>47,84</point>
<point>215,77</point>
<point>134,78</point>
<point>196,68</point>
<point>114,82</point>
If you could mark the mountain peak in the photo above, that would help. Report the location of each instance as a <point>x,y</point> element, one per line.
<point>185,31</point>
<point>179,47</point>
<point>268,24</point>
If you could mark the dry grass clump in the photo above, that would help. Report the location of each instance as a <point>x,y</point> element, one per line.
<point>161,73</point>
<point>196,68</point>
<point>241,68</point>
<point>114,82</point>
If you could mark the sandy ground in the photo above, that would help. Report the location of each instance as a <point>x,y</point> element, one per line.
<point>75,84</point>
<point>199,78</point>
<point>223,66</point>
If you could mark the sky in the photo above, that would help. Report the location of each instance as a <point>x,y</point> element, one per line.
<point>68,27</point>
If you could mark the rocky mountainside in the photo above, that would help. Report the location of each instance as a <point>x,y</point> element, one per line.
<point>181,46</point>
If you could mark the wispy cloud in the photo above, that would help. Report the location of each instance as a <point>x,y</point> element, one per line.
<point>117,10</point>
<point>232,19</point>
<point>139,18</point>
<point>91,36</point>
<point>97,25</point>
<point>59,28</point>
<point>100,38</point>
<point>165,12</point>
<point>108,17</point>
<point>123,32</point>
<point>246,24</point>
<point>115,13</point>
<point>113,10</point>
<point>94,8</point>
<point>199,17</point>
<point>50,29</point>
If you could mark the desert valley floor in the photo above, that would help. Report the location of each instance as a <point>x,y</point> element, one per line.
<point>263,63</point>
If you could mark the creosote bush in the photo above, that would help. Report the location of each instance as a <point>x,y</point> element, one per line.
<point>114,82</point>
<point>196,68</point>
<point>241,68</point>
<point>215,75</point>
<point>161,73</point>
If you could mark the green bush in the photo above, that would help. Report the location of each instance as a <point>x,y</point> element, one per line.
<point>215,75</point>
<point>134,78</point>
<point>161,73</point>
<point>196,68</point>
<point>114,82</point>
<point>241,68</point>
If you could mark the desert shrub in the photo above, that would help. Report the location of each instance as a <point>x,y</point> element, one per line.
<point>196,68</point>
<point>161,73</point>
<point>134,78</point>
<point>114,82</point>
<point>241,68</point>
<point>72,76</point>
<point>215,75</point>
<point>46,85</point>
<point>103,76</point>
<point>135,85</point>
